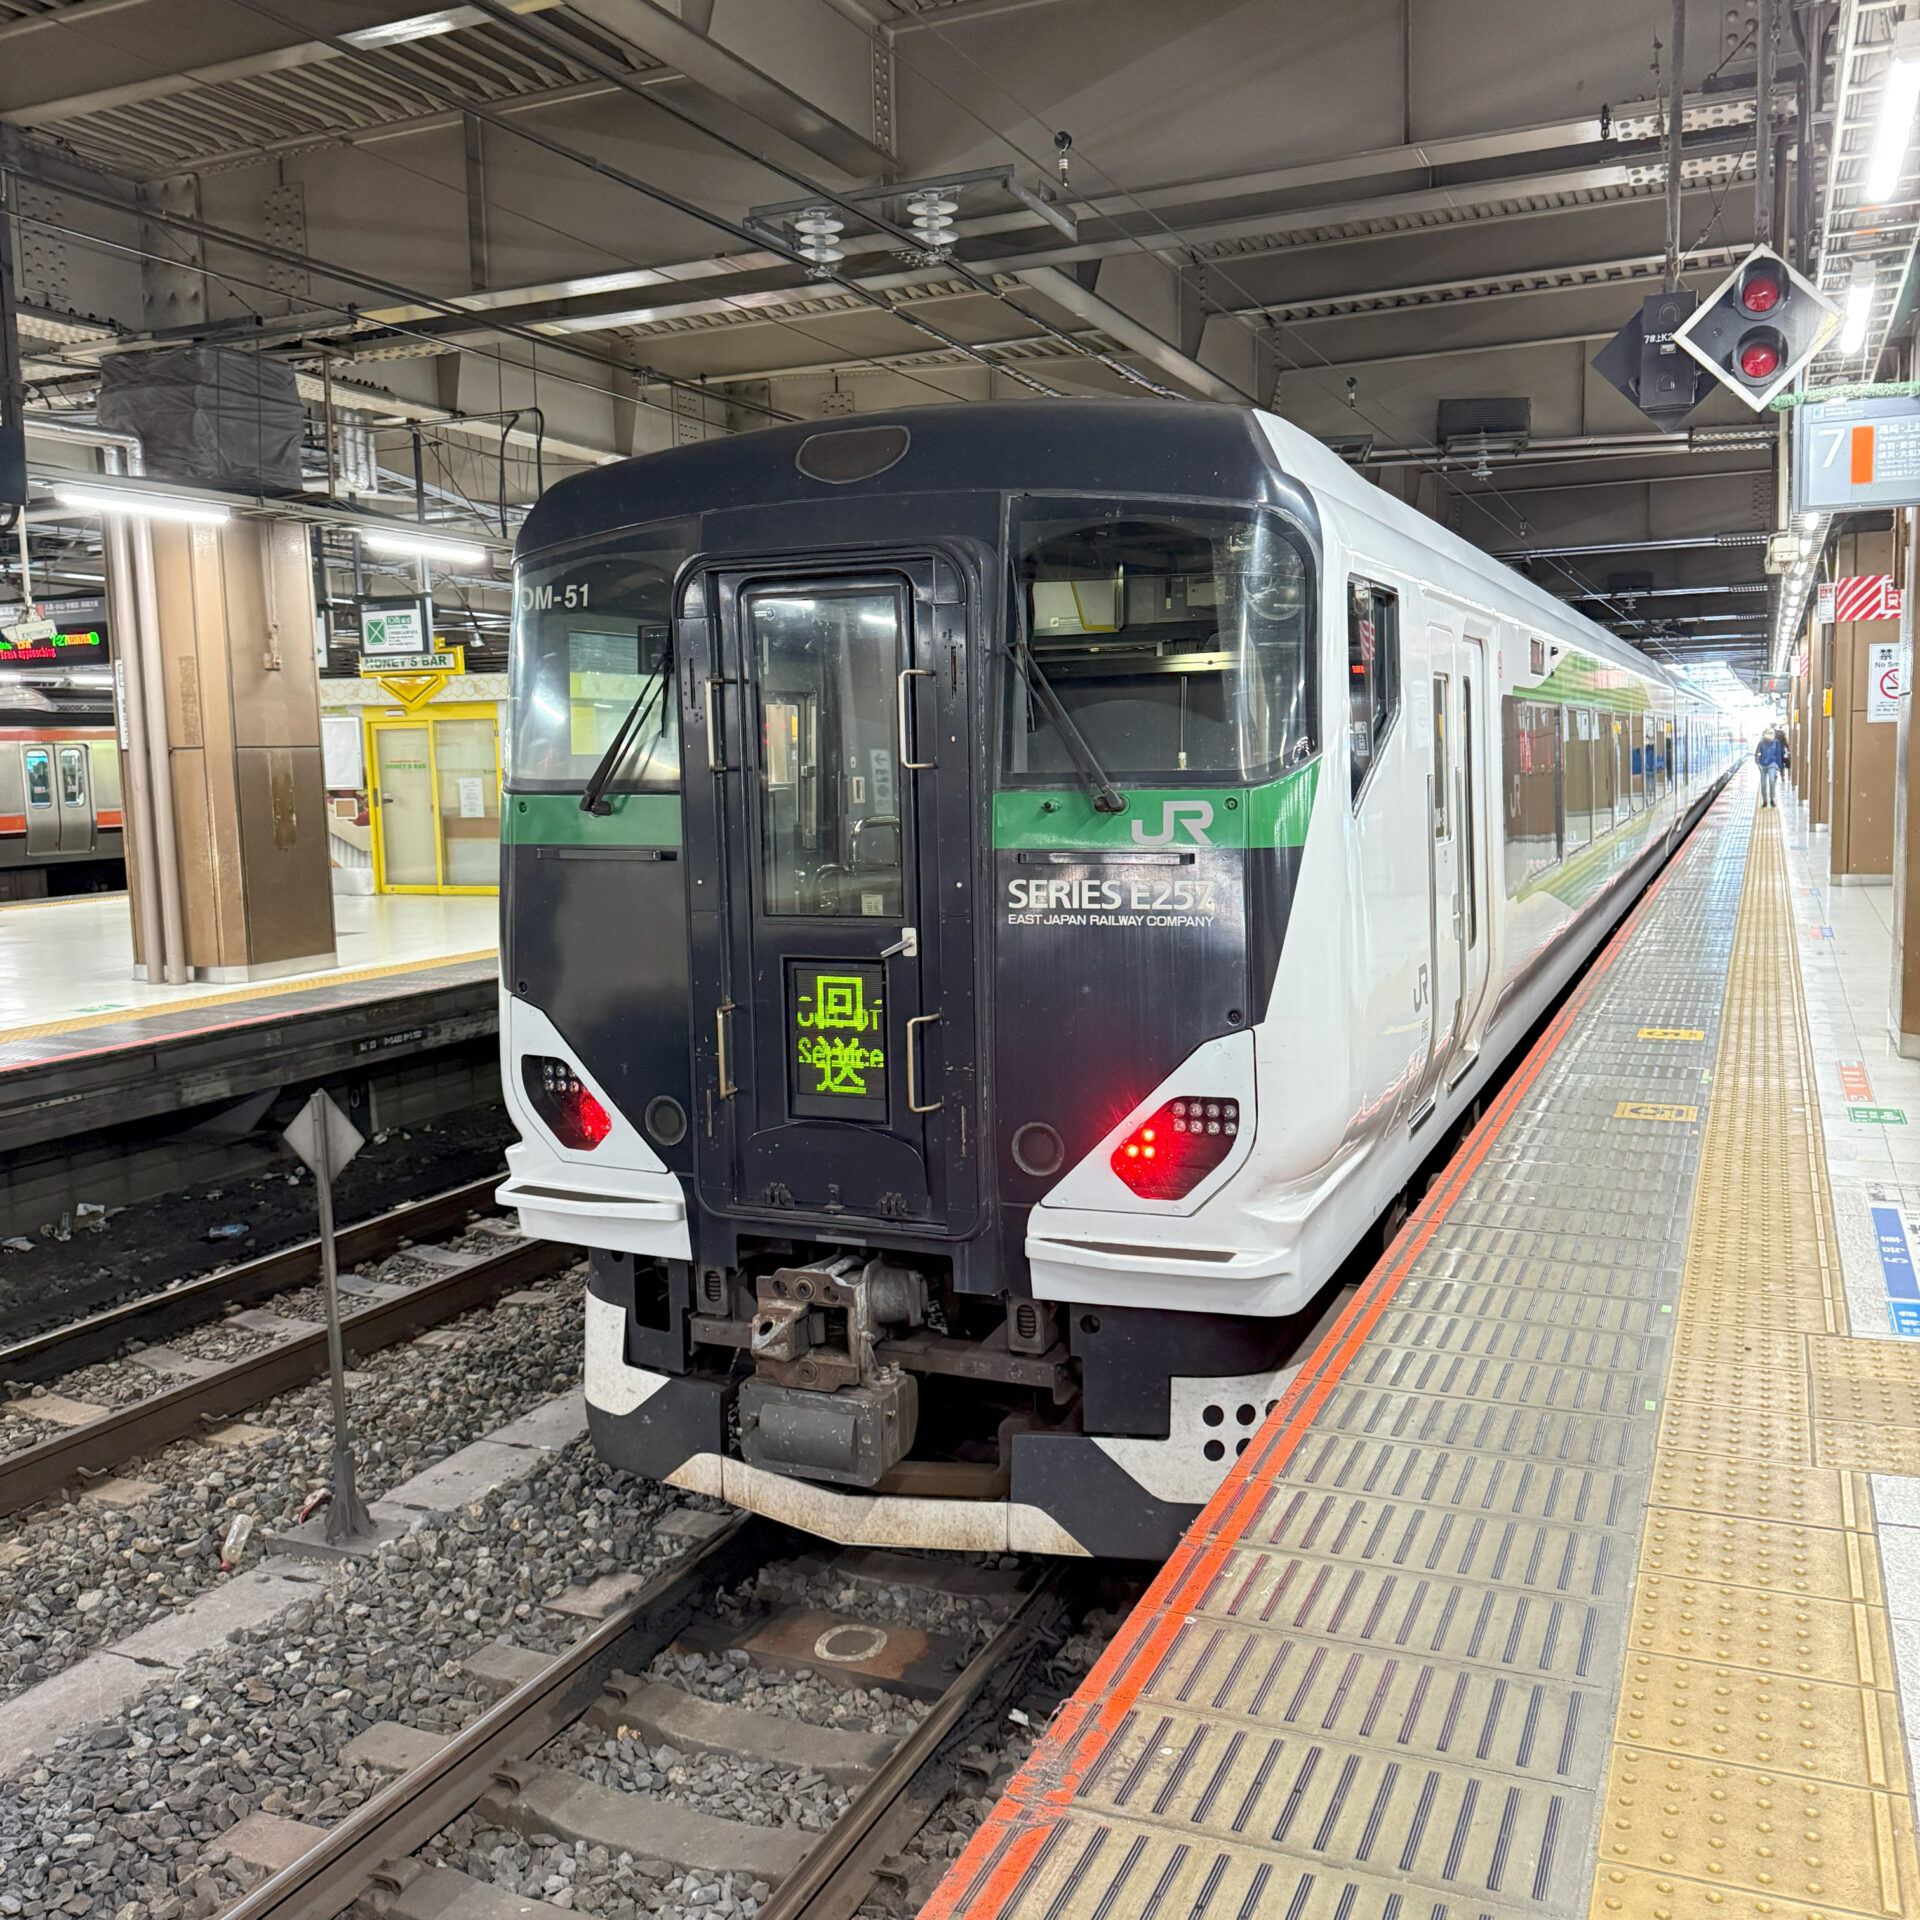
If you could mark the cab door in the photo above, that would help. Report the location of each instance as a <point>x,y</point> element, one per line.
<point>836,1042</point>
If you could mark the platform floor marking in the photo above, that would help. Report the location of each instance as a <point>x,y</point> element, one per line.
<point>1757,1763</point>
<point>263,990</point>
<point>1377,1678</point>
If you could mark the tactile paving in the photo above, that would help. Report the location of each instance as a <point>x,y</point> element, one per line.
<point>1380,1679</point>
<point>1551,1586</point>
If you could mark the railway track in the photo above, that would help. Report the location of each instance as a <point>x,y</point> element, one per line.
<point>371,1857</point>
<point>192,1303</point>
<point>76,1454</point>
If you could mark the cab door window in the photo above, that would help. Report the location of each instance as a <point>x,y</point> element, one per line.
<point>828,664</point>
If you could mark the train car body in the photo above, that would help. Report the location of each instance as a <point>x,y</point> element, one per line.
<point>1065,866</point>
<point>60,812</point>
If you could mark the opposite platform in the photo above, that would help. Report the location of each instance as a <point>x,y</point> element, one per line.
<point>1553,1584</point>
<point>83,1044</point>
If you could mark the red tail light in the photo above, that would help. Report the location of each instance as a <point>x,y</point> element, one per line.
<point>1167,1156</point>
<point>577,1119</point>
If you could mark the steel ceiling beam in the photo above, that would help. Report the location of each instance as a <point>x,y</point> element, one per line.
<point>171,84</point>
<point>716,70</point>
<point>1133,335</point>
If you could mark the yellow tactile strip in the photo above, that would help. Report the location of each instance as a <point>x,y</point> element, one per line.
<point>1757,1765</point>
<point>234,996</point>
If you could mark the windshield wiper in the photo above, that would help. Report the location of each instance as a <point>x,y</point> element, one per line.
<point>1106,797</point>
<point>592,795</point>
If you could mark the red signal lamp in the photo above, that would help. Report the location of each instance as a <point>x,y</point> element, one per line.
<point>564,1103</point>
<point>1759,354</point>
<point>1762,288</point>
<point>1172,1151</point>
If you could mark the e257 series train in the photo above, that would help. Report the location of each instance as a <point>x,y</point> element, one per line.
<point>998,901</point>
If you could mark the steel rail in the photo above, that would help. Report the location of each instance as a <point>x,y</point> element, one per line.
<point>373,1842</point>
<point>36,1473</point>
<point>839,1871</point>
<point>100,1336</point>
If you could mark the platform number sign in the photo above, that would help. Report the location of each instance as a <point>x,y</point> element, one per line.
<point>837,1040</point>
<point>1856,453</point>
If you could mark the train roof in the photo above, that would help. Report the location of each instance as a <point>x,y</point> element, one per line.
<point>1474,573</point>
<point>1180,448</point>
<point>1172,448</point>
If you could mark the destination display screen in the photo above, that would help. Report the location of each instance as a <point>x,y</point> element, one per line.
<point>836,1050</point>
<point>86,647</point>
<point>54,635</point>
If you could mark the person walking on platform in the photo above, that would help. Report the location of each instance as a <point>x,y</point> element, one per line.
<point>1772,756</point>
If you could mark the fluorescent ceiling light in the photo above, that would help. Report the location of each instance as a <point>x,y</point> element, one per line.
<point>1893,132</point>
<point>425,546</point>
<point>203,513</point>
<point>1859,308</point>
<point>419,26</point>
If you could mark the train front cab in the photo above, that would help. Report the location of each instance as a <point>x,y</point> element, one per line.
<point>880,1252</point>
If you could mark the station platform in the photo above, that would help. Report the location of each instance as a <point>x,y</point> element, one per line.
<point>1578,1572</point>
<point>85,1044</point>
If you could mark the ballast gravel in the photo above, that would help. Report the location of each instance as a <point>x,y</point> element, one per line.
<point>78,1576</point>
<point>125,1822</point>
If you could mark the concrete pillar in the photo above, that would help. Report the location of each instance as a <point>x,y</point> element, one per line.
<point>1904,998</point>
<point>1814,788</point>
<point>243,740</point>
<point>1863,749</point>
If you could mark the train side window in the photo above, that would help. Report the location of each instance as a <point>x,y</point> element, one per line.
<point>1442,827</point>
<point>1373,674</point>
<point>1577,776</point>
<point>39,777</point>
<point>1530,743</point>
<point>73,776</point>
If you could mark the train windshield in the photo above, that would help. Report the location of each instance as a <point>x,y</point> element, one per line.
<point>591,639</point>
<point>1177,641</point>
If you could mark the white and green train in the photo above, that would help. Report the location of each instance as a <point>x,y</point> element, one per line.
<point>998,903</point>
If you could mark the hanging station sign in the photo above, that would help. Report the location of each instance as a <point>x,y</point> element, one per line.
<point>395,628</point>
<point>1856,453</point>
<point>397,649</point>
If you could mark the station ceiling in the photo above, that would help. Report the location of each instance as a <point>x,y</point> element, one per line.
<point>1349,213</point>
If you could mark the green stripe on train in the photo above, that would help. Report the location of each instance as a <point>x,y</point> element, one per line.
<point>1579,680</point>
<point>555,820</point>
<point>1064,820</point>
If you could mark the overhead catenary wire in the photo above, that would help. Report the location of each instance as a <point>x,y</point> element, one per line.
<point>942,34</point>
<point>559,38</point>
<point>642,375</point>
<point>693,211</point>
<point>374,283</point>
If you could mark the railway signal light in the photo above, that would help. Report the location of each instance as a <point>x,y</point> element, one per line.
<point>1759,328</point>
